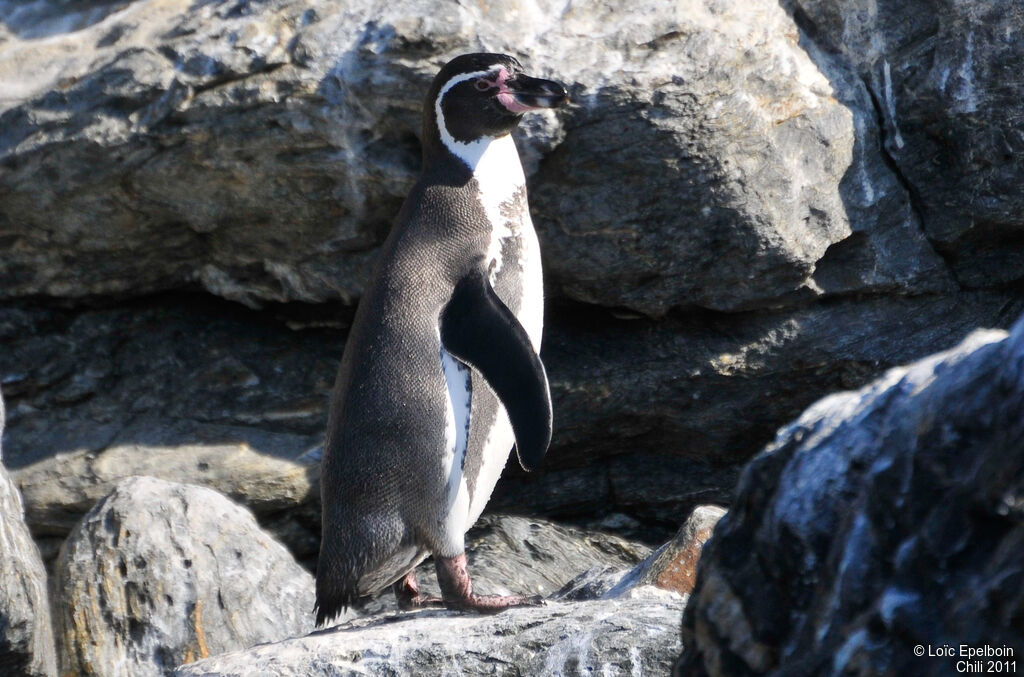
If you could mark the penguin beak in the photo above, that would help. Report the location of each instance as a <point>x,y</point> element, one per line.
<point>523,93</point>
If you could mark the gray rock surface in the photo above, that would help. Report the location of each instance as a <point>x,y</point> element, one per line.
<point>882,519</point>
<point>26,634</point>
<point>159,574</point>
<point>646,411</point>
<point>671,567</point>
<point>516,555</point>
<point>163,144</point>
<point>171,393</point>
<point>537,557</point>
<point>727,228</point>
<point>636,634</point>
<point>940,76</point>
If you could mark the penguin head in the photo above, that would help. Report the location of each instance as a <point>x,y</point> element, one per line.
<point>477,97</point>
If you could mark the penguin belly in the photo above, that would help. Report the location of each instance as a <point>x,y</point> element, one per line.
<point>519,284</point>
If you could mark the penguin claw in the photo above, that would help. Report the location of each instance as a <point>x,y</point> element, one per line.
<point>409,597</point>
<point>420,602</point>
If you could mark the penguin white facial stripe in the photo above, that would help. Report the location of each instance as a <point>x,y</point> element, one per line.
<point>494,162</point>
<point>470,152</point>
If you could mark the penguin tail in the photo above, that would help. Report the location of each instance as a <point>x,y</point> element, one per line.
<point>332,601</point>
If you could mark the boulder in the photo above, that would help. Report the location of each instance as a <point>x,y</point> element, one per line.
<point>168,392</point>
<point>645,411</point>
<point>536,557</point>
<point>528,556</point>
<point>26,634</point>
<point>635,634</point>
<point>158,574</point>
<point>673,566</point>
<point>939,76</point>
<point>882,526</point>
<point>260,152</point>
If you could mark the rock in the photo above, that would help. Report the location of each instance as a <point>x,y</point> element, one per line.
<point>645,410</point>
<point>536,557</point>
<point>654,418</point>
<point>269,471</point>
<point>632,635</point>
<point>673,566</point>
<point>715,172</point>
<point>159,574</point>
<point>26,635</point>
<point>529,556</point>
<point>167,145</point>
<point>169,392</point>
<point>594,583</point>
<point>937,75</point>
<point>882,519</point>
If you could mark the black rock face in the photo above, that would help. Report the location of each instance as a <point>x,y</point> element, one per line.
<point>881,521</point>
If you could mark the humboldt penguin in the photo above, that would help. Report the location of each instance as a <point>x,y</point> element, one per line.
<point>441,372</point>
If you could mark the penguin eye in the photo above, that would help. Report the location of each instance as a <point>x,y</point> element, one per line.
<point>483,85</point>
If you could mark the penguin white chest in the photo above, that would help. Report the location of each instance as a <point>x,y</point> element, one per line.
<point>499,177</point>
<point>501,187</point>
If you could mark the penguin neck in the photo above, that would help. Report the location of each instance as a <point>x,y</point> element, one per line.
<point>493,162</point>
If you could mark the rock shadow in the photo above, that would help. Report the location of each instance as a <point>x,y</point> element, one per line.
<point>185,387</point>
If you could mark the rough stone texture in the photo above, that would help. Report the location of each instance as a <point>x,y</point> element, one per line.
<point>673,566</point>
<point>172,393</point>
<point>712,170</point>
<point>942,75</point>
<point>728,231</point>
<point>646,420</point>
<point>882,519</point>
<point>506,554</point>
<point>515,555</point>
<point>636,634</point>
<point>260,151</point>
<point>159,574</point>
<point>537,557</point>
<point>26,635</point>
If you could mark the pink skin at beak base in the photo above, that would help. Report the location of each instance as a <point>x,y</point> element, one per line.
<point>508,100</point>
<point>505,96</point>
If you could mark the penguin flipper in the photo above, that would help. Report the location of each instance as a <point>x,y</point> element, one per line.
<point>480,330</point>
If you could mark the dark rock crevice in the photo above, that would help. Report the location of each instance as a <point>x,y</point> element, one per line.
<point>829,55</point>
<point>913,195</point>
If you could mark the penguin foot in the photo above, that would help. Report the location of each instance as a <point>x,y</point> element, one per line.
<point>457,589</point>
<point>409,597</point>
